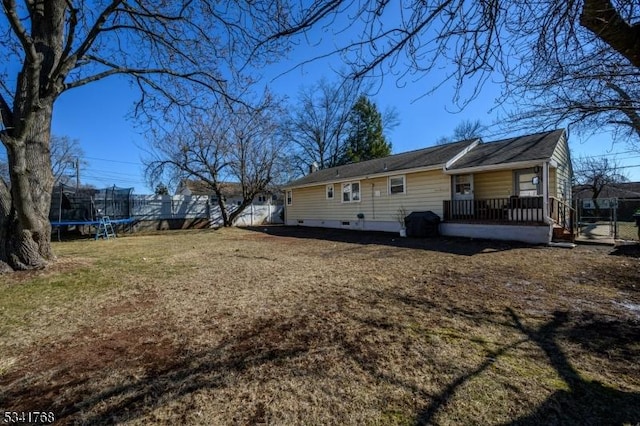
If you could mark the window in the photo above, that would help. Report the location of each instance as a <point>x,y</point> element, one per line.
<point>289,198</point>
<point>462,184</point>
<point>330,192</point>
<point>396,185</point>
<point>525,186</point>
<point>350,192</point>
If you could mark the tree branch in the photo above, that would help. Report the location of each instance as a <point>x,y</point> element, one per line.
<point>20,31</point>
<point>603,20</point>
<point>6,116</point>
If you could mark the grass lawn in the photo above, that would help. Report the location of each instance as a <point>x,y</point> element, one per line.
<point>294,326</point>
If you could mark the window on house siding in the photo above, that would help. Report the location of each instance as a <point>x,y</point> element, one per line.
<point>396,185</point>
<point>330,192</point>
<point>289,198</point>
<point>350,192</point>
<point>462,184</point>
<point>524,183</point>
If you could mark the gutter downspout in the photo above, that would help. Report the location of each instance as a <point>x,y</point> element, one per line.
<point>545,201</point>
<point>545,193</point>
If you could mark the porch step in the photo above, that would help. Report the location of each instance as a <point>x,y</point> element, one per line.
<point>561,234</point>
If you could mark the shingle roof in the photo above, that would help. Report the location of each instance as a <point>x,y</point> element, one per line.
<point>538,146</point>
<point>199,187</point>
<point>616,190</point>
<point>426,157</point>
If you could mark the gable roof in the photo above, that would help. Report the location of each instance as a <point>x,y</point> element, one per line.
<point>228,189</point>
<point>421,158</point>
<point>616,190</point>
<point>199,187</point>
<point>539,146</point>
<point>452,157</point>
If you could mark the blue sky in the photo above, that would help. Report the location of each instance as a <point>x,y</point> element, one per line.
<point>96,115</point>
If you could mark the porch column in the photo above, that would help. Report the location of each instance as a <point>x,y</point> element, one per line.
<point>545,191</point>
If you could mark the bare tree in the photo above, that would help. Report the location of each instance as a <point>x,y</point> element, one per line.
<point>66,158</point>
<point>51,46</point>
<point>466,129</point>
<point>559,62</point>
<point>230,144</point>
<point>594,174</point>
<point>318,125</point>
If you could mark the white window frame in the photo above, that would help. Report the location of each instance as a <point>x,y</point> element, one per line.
<point>350,192</point>
<point>404,184</point>
<point>518,180</point>
<point>333,193</point>
<point>289,196</point>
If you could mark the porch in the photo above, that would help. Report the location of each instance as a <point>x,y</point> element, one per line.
<point>504,211</point>
<point>514,211</point>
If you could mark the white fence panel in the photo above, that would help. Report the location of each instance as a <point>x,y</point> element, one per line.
<point>163,207</point>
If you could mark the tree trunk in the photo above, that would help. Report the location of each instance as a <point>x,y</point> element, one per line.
<point>25,231</point>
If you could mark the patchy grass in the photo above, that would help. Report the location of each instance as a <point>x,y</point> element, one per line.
<point>294,326</point>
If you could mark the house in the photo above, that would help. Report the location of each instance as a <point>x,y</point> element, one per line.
<point>616,203</point>
<point>266,208</point>
<point>512,189</point>
<point>614,190</point>
<point>232,192</point>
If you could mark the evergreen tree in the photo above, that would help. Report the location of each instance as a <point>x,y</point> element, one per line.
<point>366,138</point>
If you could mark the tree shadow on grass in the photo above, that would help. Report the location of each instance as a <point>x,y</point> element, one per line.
<point>585,403</point>
<point>631,250</point>
<point>452,245</point>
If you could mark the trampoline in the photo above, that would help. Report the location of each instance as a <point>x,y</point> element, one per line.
<point>88,207</point>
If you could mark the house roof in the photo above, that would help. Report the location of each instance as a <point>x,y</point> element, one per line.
<point>229,189</point>
<point>198,187</point>
<point>426,157</point>
<point>539,146</point>
<point>617,190</point>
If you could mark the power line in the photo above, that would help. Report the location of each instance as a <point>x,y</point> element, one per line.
<point>113,161</point>
<point>612,154</point>
<point>114,172</point>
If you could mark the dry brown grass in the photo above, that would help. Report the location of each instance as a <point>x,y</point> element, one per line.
<point>295,326</point>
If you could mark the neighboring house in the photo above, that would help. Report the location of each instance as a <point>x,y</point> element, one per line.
<point>617,202</point>
<point>512,189</point>
<point>616,190</point>
<point>232,192</point>
<point>266,208</point>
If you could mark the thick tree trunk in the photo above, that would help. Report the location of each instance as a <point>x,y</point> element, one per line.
<point>25,231</point>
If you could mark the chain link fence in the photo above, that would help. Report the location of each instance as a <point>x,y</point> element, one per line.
<point>626,222</point>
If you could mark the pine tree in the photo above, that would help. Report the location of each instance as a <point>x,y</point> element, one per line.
<point>366,138</point>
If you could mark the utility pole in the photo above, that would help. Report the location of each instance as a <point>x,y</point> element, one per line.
<point>77,166</point>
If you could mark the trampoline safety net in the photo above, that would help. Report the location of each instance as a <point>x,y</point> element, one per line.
<point>89,204</point>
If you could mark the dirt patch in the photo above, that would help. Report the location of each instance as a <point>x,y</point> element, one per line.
<point>57,376</point>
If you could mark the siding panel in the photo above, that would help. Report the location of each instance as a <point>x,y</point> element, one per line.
<point>562,184</point>
<point>498,184</point>
<point>423,191</point>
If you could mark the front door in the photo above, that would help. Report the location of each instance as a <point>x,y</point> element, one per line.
<point>463,194</point>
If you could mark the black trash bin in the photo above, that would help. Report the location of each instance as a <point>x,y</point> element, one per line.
<point>422,224</point>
